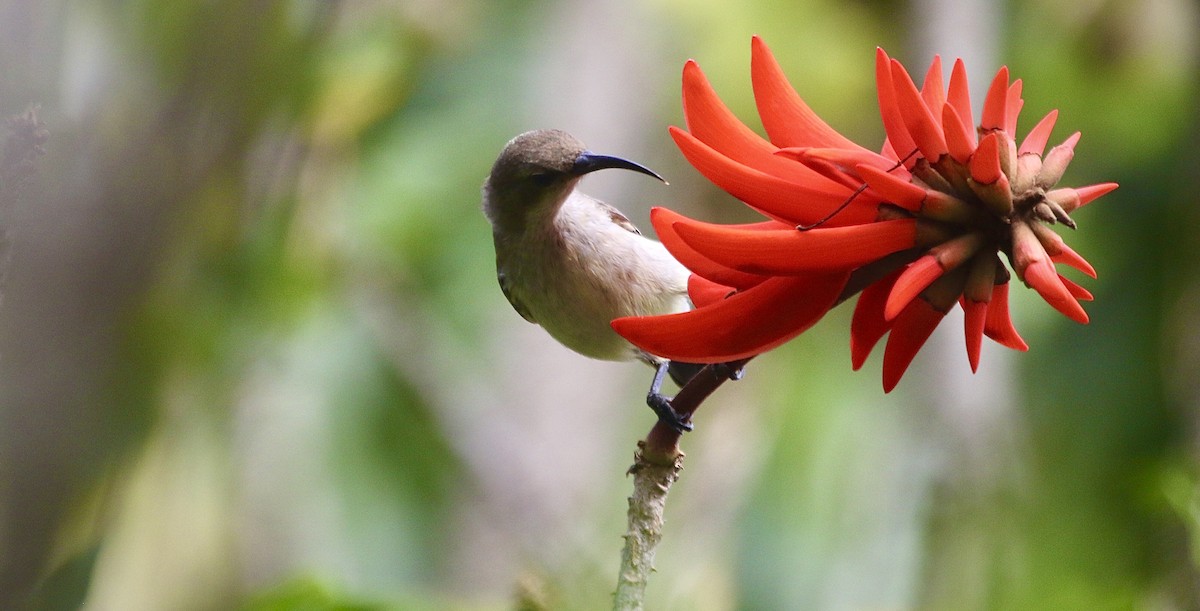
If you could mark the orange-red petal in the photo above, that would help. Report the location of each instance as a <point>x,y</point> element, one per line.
<point>974,316</point>
<point>1013,107</point>
<point>829,170</point>
<point>745,324</point>
<point>889,110</point>
<point>933,91</point>
<point>787,120</point>
<point>1076,291</point>
<point>999,325</point>
<point>960,138</point>
<point>888,152</point>
<point>916,278</point>
<point>1041,276</point>
<point>794,203</point>
<point>664,220</point>
<point>1061,253</point>
<point>1071,258</point>
<point>843,158</point>
<point>985,163</point>
<point>994,105</point>
<point>926,132</point>
<point>958,96</point>
<point>790,251</point>
<point>704,292</point>
<point>1071,199</point>
<point>909,332</point>
<point>892,188</point>
<point>868,325</point>
<point>1035,141</point>
<point>989,181</point>
<point>1090,193</point>
<point>710,121</point>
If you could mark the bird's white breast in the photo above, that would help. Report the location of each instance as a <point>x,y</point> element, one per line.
<point>579,271</point>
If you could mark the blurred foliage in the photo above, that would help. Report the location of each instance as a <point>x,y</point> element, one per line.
<point>303,595</point>
<point>254,355</point>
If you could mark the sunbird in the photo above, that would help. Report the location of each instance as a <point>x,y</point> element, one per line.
<point>572,263</point>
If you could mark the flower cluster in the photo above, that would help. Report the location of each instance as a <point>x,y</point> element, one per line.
<point>916,228</point>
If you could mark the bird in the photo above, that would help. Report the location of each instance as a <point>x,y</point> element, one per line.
<point>572,263</point>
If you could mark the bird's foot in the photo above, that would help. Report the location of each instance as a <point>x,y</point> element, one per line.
<point>666,413</point>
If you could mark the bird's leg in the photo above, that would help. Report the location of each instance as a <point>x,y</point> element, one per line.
<point>662,405</point>
<point>732,371</point>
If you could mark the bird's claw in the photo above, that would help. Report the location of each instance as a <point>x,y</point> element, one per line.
<point>667,414</point>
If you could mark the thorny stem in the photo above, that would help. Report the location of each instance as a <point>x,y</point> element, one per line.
<point>651,483</point>
<point>658,460</point>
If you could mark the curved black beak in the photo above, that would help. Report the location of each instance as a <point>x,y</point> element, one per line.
<point>590,162</point>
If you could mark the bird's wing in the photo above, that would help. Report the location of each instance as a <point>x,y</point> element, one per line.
<point>516,304</point>
<point>618,219</point>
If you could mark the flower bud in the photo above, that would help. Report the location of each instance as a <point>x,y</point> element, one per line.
<point>1028,165</point>
<point>1066,199</point>
<point>1056,162</point>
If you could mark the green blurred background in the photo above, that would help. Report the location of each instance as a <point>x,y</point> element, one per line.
<point>253,355</point>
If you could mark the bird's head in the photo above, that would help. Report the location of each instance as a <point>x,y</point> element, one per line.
<point>537,170</point>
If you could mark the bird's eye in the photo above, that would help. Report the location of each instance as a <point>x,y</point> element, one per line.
<point>543,179</point>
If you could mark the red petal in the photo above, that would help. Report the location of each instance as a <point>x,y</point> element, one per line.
<point>868,325</point>
<point>1092,192</point>
<point>892,188</point>
<point>843,158</point>
<point>933,92</point>
<point>786,118</point>
<point>974,315</point>
<point>909,331</point>
<point>1014,104</point>
<point>793,203</point>
<point>829,170</point>
<point>1035,141</point>
<point>916,278</point>
<point>703,291</point>
<point>985,163</point>
<point>710,121</point>
<point>960,138</point>
<point>745,324</point>
<point>925,131</point>
<point>889,110</point>
<point>1058,250</point>
<point>791,251</point>
<point>959,97</point>
<point>1041,276</point>
<point>994,105</point>
<point>664,221</point>
<point>1073,199</point>
<point>1067,256</point>
<point>887,152</point>
<point>998,325</point>
<point>1076,291</point>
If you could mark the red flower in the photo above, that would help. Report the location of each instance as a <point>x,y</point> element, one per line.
<point>917,227</point>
